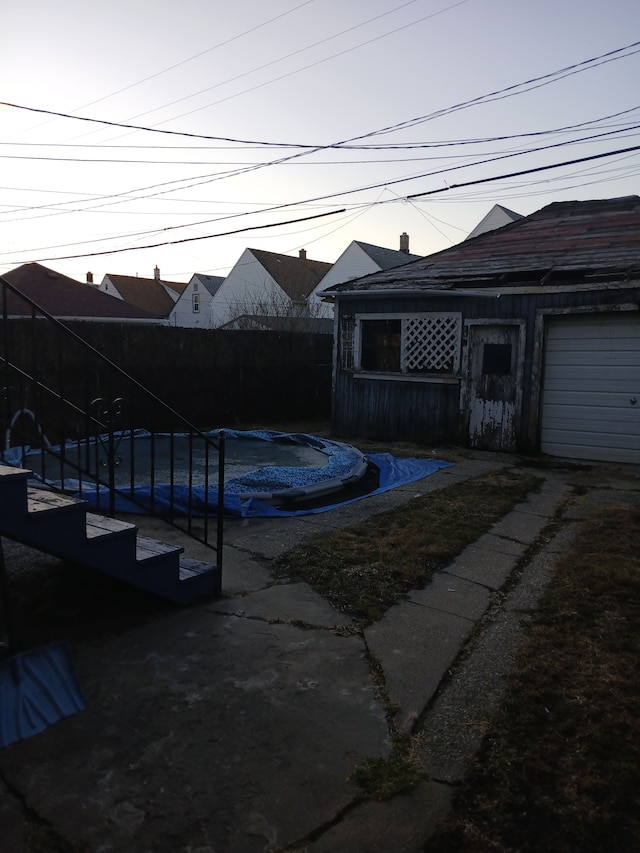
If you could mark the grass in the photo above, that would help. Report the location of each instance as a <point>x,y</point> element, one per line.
<point>391,775</point>
<point>365,569</point>
<point>560,765</point>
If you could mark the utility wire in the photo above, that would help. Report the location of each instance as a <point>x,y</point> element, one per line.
<point>191,239</point>
<point>525,172</point>
<point>411,197</point>
<point>289,56</point>
<point>508,91</point>
<point>398,146</point>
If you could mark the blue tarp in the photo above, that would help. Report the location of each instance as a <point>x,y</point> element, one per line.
<point>245,495</point>
<point>394,472</point>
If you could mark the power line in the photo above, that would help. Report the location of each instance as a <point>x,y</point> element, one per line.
<point>288,56</point>
<point>191,239</point>
<point>409,198</point>
<point>383,184</point>
<point>525,172</point>
<point>319,61</point>
<point>191,58</point>
<point>508,91</point>
<point>396,146</point>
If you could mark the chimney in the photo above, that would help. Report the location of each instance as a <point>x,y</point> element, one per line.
<point>156,273</point>
<point>89,278</point>
<point>404,242</point>
<point>303,254</point>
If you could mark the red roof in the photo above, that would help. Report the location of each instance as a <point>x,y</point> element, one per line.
<point>563,241</point>
<point>64,297</point>
<point>146,293</point>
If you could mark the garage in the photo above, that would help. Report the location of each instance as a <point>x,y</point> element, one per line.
<point>591,387</point>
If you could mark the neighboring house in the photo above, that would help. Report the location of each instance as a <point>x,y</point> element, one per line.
<point>497,217</point>
<point>525,338</point>
<point>67,299</point>
<point>153,295</point>
<point>191,309</point>
<point>266,284</point>
<point>358,259</point>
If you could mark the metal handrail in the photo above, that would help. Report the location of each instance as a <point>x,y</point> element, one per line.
<point>94,413</point>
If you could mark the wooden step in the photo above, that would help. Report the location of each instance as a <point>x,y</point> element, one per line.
<point>13,497</point>
<point>153,551</point>
<point>55,521</point>
<point>108,542</point>
<point>198,580</point>
<point>61,525</point>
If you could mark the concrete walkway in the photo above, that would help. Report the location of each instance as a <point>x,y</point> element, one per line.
<point>233,726</point>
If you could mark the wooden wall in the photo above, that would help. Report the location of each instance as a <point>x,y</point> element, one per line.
<point>430,412</point>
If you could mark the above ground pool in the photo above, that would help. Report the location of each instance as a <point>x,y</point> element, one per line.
<point>264,465</point>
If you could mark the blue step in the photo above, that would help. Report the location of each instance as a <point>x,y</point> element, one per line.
<point>62,526</point>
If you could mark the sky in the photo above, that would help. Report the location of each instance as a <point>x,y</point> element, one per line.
<point>137,134</point>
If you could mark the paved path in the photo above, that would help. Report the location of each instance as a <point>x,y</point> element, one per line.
<point>233,726</point>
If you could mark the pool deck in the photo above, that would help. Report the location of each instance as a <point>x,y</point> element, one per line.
<point>233,726</point>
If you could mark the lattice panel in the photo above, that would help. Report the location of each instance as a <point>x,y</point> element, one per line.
<point>431,343</point>
<point>347,329</point>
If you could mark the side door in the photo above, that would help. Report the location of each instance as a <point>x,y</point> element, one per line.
<point>494,385</point>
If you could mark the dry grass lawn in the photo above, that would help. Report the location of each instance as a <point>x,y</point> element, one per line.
<point>560,766</point>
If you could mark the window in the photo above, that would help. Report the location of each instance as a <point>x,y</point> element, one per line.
<point>196,302</point>
<point>347,332</point>
<point>381,345</point>
<point>418,344</point>
<point>496,360</point>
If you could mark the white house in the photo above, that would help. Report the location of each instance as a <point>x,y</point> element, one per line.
<point>192,307</point>
<point>266,284</point>
<point>358,259</point>
<point>154,295</point>
<point>497,217</point>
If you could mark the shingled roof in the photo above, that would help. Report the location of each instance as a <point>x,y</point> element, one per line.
<point>146,293</point>
<point>211,283</point>
<point>65,297</point>
<point>564,242</point>
<point>386,258</point>
<point>296,276</point>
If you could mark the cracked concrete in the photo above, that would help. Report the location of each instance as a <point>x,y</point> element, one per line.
<point>233,726</point>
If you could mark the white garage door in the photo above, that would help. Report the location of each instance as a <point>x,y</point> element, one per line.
<point>591,388</point>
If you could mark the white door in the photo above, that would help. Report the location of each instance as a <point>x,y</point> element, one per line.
<point>591,387</point>
<point>493,396</point>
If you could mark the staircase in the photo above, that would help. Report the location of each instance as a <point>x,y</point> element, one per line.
<point>62,526</point>
<point>74,407</point>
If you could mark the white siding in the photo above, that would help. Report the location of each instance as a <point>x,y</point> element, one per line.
<point>591,377</point>
<point>248,289</point>
<point>497,217</point>
<point>183,313</point>
<point>352,263</point>
<point>107,287</point>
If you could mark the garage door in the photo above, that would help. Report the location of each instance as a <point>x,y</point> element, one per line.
<point>591,388</point>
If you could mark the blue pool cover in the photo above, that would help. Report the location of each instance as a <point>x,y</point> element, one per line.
<point>394,472</point>
<point>272,490</point>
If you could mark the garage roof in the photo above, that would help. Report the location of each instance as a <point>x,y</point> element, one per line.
<point>564,242</point>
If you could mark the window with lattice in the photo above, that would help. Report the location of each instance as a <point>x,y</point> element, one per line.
<point>431,343</point>
<point>426,344</point>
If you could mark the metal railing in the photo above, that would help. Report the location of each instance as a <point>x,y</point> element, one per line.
<point>84,425</point>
